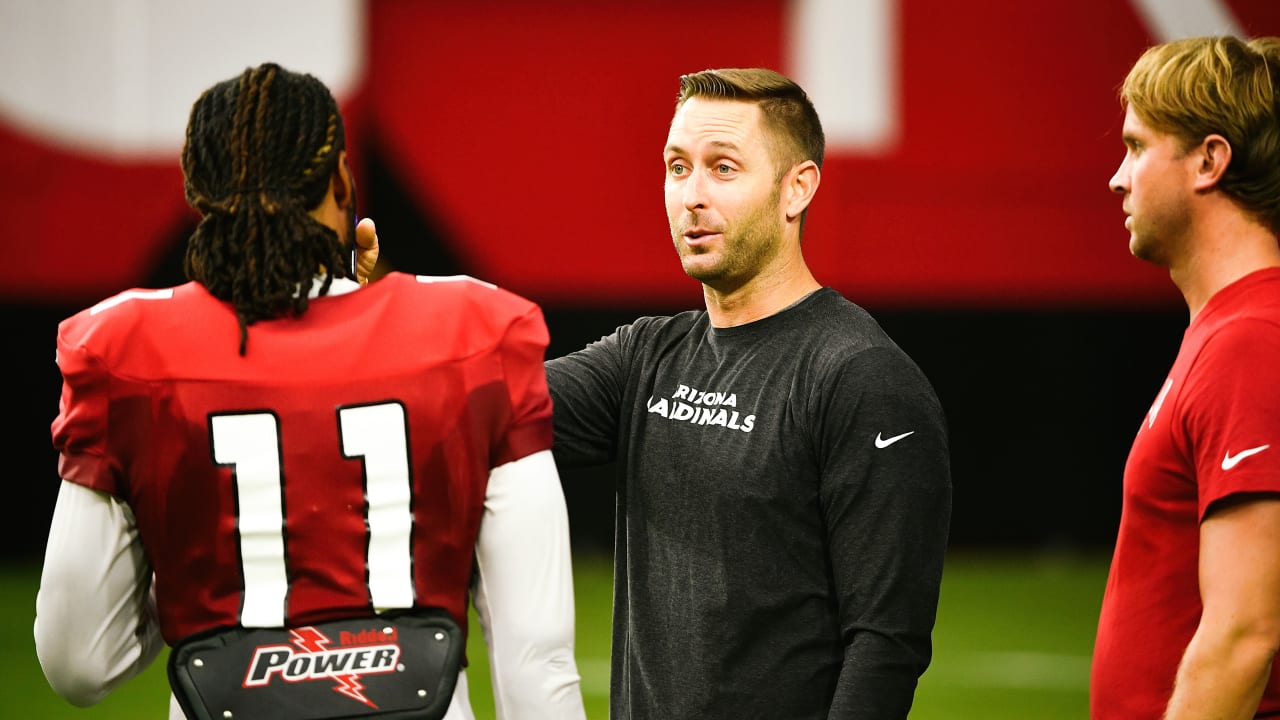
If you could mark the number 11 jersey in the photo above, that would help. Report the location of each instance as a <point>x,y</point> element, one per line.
<point>336,469</point>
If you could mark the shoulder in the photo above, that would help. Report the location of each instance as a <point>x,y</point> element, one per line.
<point>678,324</point>
<point>125,314</point>
<point>843,331</point>
<point>656,330</point>
<point>1235,357</point>
<point>454,288</point>
<point>452,298</point>
<point>845,345</point>
<point>471,313</point>
<point>1250,304</point>
<point>853,325</point>
<point>1251,334</point>
<point>634,345</point>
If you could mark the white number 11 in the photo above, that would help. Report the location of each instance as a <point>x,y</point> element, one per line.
<point>251,442</point>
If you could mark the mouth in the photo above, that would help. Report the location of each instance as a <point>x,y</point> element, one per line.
<point>699,236</point>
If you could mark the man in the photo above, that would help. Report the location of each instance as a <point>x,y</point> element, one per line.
<point>1190,619</point>
<point>784,492</point>
<point>285,471</point>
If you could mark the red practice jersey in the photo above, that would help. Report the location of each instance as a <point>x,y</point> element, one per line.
<point>1212,432</point>
<point>338,468</point>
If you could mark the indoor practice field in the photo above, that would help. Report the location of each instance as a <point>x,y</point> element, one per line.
<point>1013,641</point>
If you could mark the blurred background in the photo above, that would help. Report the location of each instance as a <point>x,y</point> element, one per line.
<point>964,202</point>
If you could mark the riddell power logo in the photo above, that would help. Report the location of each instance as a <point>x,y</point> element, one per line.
<point>369,652</point>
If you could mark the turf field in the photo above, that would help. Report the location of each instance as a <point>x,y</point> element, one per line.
<point>1014,635</point>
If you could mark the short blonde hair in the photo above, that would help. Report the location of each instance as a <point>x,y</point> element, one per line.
<point>1194,87</point>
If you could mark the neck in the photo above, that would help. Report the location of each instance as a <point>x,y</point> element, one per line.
<point>1225,251</point>
<point>765,294</point>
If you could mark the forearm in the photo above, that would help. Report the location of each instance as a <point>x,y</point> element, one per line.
<point>1227,664</point>
<point>889,581</point>
<point>93,628</point>
<point>1222,675</point>
<point>524,592</point>
<point>873,693</point>
<point>890,606</point>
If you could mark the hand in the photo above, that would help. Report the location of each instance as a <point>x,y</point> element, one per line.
<point>366,250</point>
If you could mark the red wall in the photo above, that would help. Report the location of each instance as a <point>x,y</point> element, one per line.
<point>532,133</point>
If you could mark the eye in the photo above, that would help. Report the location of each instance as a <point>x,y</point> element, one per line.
<point>724,169</point>
<point>676,168</point>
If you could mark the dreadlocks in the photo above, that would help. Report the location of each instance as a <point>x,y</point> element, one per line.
<point>259,154</point>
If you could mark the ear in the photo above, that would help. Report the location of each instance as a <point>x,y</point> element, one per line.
<point>1212,156</point>
<point>798,187</point>
<point>342,184</point>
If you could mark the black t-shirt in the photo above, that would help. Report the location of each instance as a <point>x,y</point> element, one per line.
<point>784,500</point>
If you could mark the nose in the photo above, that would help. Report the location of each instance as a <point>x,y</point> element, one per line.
<point>1120,180</point>
<point>695,191</point>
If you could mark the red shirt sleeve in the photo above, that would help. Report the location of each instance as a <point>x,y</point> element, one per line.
<point>80,429</point>
<point>523,350</point>
<point>1233,412</point>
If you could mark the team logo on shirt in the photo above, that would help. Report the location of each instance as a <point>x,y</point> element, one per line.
<point>368,652</point>
<point>1159,403</point>
<point>702,407</point>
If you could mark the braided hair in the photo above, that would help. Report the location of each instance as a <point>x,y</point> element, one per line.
<point>259,154</point>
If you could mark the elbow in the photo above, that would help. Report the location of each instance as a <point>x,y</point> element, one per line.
<point>561,681</point>
<point>546,678</point>
<point>546,648</point>
<point>77,683</point>
<point>78,691</point>
<point>1255,630</point>
<point>555,665</point>
<point>1249,646</point>
<point>73,672</point>
<point>1260,640</point>
<point>537,668</point>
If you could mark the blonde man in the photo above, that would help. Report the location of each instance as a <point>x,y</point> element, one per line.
<point>1190,620</point>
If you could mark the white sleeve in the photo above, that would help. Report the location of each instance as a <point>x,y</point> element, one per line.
<point>524,592</point>
<point>95,627</point>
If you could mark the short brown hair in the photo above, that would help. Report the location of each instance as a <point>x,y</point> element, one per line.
<point>788,112</point>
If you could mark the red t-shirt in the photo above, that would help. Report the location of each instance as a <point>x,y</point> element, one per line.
<point>1213,430</point>
<point>338,467</point>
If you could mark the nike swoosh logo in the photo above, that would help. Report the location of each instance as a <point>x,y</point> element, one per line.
<point>1229,461</point>
<point>886,442</point>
